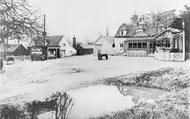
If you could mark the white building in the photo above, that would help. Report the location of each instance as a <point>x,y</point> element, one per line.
<point>105,44</point>
<point>66,49</point>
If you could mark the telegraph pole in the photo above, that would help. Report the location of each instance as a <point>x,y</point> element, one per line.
<point>44,32</point>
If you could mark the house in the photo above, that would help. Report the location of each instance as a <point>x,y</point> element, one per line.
<point>16,50</point>
<point>13,50</point>
<point>133,40</point>
<point>104,43</point>
<point>141,44</point>
<point>169,45</point>
<point>54,47</point>
<point>66,49</point>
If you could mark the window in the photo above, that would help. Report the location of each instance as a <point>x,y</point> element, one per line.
<point>130,45</point>
<point>151,45</point>
<point>167,43</point>
<point>174,43</point>
<point>121,45</point>
<point>113,45</point>
<point>144,45</point>
<point>134,45</point>
<point>139,45</point>
<point>121,32</point>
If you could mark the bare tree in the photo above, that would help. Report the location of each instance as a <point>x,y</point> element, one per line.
<point>17,20</point>
<point>157,21</point>
<point>62,106</point>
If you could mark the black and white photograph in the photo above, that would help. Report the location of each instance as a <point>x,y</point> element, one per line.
<point>94,59</point>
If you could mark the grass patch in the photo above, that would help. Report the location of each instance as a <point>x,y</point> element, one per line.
<point>173,105</point>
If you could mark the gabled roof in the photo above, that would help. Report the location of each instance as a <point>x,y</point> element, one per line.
<point>54,40</point>
<point>110,39</point>
<point>12,47</point>
<point>166,30</point>
<point>9,47</point>
<point>130,30</point>
<point>86,46</point>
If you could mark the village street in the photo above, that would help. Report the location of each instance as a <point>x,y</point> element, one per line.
<point>39,79</point>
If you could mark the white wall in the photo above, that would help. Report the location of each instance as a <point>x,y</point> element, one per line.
<point>104,46</point>
<point>66,49</point>
<point>118,41</point>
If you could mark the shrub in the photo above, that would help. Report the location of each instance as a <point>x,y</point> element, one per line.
<point>12,112</point>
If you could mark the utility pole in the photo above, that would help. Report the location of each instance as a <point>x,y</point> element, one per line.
<point>44,32</point>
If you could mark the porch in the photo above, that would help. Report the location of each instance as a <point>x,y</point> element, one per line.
<point>139,46</point>
<point>53,52</point>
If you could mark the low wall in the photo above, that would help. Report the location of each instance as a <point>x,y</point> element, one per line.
<point>136,53</point>
<point>166,56</point>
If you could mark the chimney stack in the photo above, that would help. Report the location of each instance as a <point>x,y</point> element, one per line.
<point>74,42</point>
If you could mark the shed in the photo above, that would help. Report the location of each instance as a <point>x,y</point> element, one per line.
<point>84,49</point>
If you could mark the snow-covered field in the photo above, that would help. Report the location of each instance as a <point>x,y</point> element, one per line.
<point>39,79</point>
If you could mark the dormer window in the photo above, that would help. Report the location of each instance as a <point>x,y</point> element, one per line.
<point>123,32</point>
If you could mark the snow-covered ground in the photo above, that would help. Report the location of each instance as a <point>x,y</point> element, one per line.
<point>39,79</point>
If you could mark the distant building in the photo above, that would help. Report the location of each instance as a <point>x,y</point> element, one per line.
<point>12,50</point>
<point>66,49</point>
<point>82,49</point>
<point>106,43</point>
<point>54,46</point>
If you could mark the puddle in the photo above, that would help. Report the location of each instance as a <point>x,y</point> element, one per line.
<point>98,100</point>
<point>102,99</point>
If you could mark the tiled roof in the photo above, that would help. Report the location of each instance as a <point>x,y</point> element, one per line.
<point>130,30</point>
<point>86,46</point>
<point>54,40</point>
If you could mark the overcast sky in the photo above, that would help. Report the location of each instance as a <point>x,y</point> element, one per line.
<point>87,19</point>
